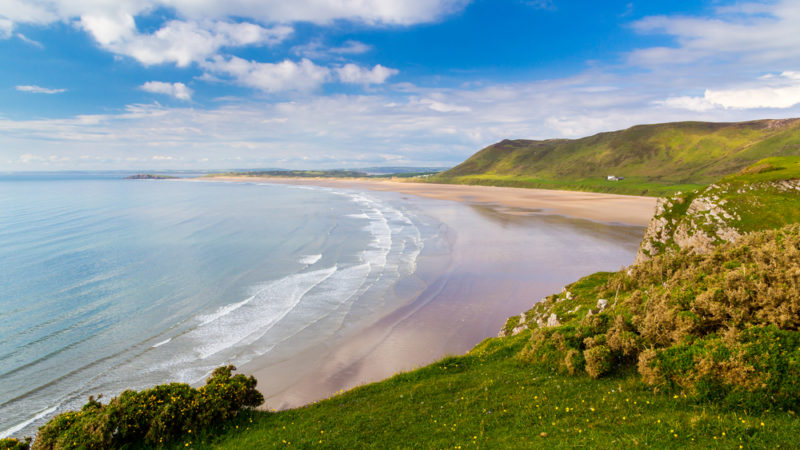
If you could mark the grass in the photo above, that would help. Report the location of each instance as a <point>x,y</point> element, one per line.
<point>656,160</point>
<point>489,398</point>
<point>627,186</point>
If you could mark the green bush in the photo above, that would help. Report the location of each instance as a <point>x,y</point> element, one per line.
<point>152,416</point>
<point>598,361</point>
<point>756,368</point>
<point>15,444</point>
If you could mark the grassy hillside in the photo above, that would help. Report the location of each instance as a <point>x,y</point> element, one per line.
<point>653,159</point>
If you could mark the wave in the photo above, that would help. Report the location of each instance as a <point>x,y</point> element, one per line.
<point>22,425</point>
<point>161,343</point>
<point>310,259</point>
<point>223,311</point>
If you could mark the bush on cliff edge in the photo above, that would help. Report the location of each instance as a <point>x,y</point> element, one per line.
<point>153,416</point>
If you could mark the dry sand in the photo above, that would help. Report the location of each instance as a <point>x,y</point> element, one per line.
<point>612,208</point>
<point>508,248</point>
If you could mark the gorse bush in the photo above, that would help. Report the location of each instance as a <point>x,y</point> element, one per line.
<point>757,367</point>
<point>152,416</point>
<point>723,326</point>
<point>15,444</point>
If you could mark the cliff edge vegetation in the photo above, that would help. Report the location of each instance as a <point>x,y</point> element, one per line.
<point>653,160</point>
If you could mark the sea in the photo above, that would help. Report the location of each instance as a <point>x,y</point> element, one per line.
<point>109,283</point>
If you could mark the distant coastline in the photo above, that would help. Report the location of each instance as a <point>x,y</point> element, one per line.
<point>148,176</point>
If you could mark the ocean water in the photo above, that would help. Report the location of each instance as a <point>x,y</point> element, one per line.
<point>108,284</point>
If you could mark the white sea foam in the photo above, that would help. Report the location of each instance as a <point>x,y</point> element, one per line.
<point>22,425</point>
<point>223,311</point>
<point>310,259</point>
<point>271,304</point>
<point>161,343</point>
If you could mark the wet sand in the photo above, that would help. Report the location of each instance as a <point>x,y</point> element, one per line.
<point>501,258</point>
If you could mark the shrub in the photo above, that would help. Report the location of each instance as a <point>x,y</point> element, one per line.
<point>574,362</point>
<point>598,361</point>
<point>15,444</point>
<point>757,368</point>
<point>152,416</point>
<point>704,324</point>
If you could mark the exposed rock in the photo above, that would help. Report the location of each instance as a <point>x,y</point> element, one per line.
<point>521,326</point>
<point>553,321</point>
<point>707,222</point>
<point>602,304</point>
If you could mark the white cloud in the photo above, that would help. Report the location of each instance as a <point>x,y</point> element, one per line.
<point>177,90</point>
<point>303,76</point>
<point>39,90</point>
<point>748,32</point>
<point>351,48</point>
<point>202,30</point>
<point>374,12</point>
<point>444,107</point>
<point>405,12</point>
<point>780,91</point>
<point>27,40</point>
<point>177,41</point>
<point>318,50</point>
<point>353,74</point>
<point>699,104</point>
<point>287,75</point>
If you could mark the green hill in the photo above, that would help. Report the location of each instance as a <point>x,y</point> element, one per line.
<point>652,159</point>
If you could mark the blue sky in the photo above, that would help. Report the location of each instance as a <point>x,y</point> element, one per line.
<point>211,84</point>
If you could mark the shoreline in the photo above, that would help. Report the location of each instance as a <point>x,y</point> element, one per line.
<point>490,274</point>
<point>599,207</point>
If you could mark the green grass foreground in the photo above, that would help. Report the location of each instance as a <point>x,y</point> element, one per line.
<point>491,399</point>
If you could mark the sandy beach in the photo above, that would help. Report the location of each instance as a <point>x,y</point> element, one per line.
<point>610,208</point>
<point>508,248</point>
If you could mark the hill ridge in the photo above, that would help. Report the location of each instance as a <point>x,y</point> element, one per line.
<point>652,159</point>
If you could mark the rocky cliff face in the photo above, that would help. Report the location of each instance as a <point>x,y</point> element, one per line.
<point>701,220</point>
<point>697,221</point>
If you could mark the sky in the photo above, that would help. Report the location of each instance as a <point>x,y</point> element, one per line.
<point>226,84</point>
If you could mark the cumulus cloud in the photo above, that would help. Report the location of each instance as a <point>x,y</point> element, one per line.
<point>780,91</point>
<point>373,12</point>
<point>303,76</point>
<point>177,90</point>
<point>179,42</point>
<point>353,74</point>
<point>33,89</point>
